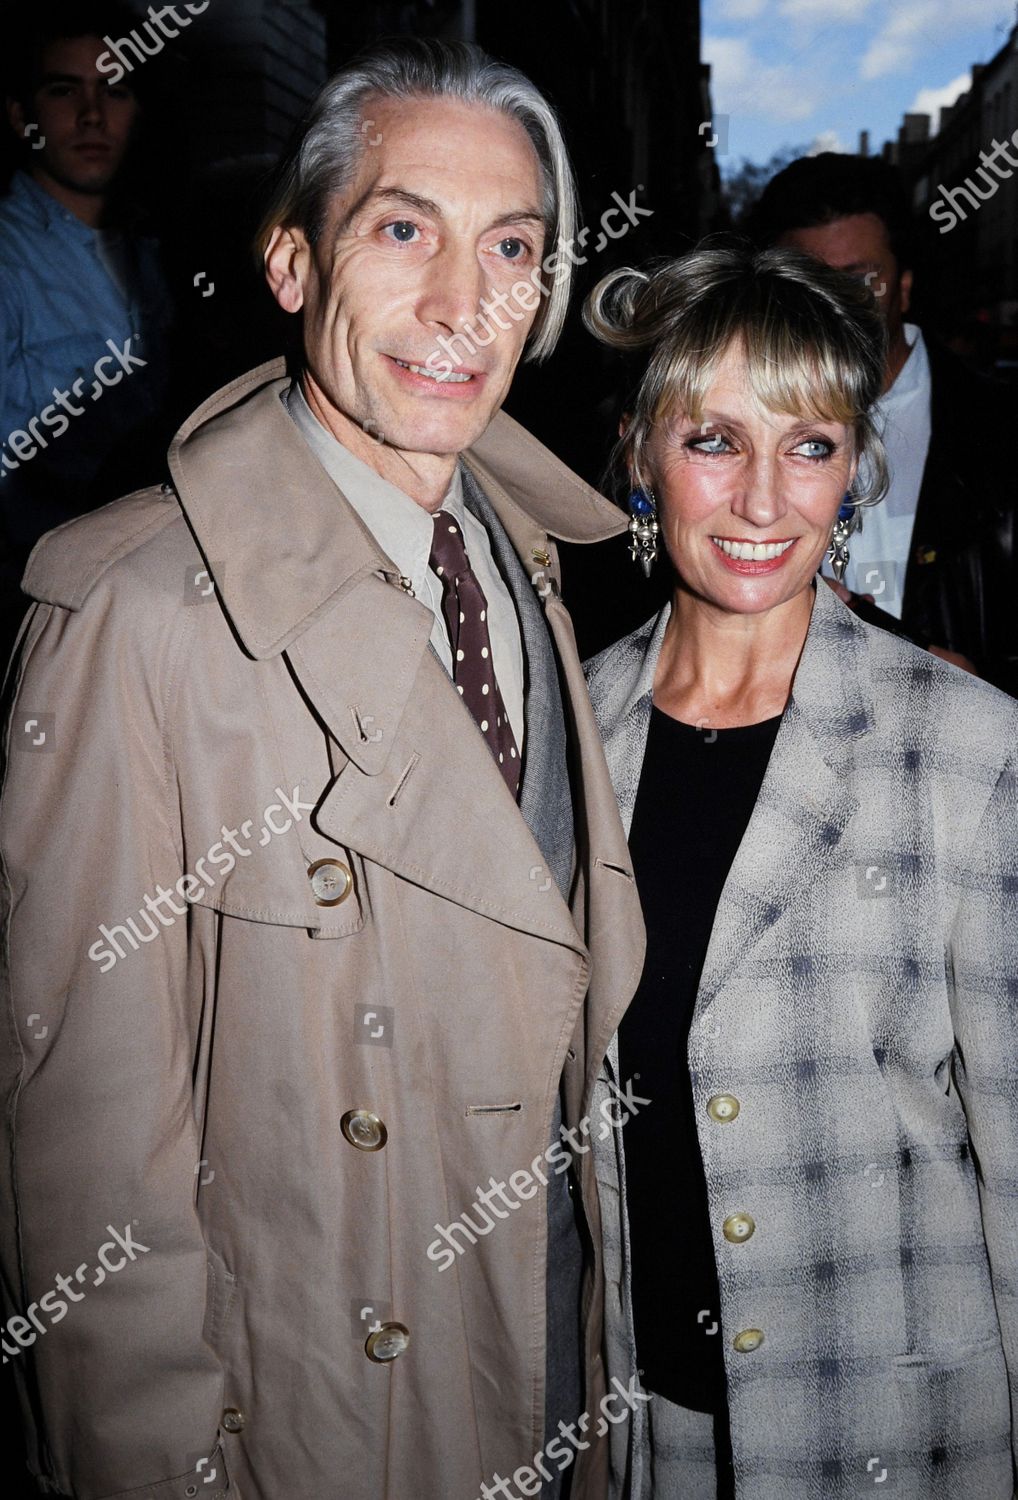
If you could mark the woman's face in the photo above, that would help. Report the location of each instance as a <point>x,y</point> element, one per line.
<point>747,497</point>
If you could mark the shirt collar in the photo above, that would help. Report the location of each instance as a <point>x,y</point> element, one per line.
<point>914,375</point>
<point>402,528</point>
<point>45,209</point>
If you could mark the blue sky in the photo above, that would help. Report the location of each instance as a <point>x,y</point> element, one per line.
<point>816,72</point>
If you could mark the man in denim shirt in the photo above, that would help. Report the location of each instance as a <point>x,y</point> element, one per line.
<point>84,310</point>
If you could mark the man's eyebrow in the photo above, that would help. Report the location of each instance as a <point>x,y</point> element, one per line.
<point>407,199</point>
<point>74,78</point>
<point>521,216</point>
<point>382,195</point>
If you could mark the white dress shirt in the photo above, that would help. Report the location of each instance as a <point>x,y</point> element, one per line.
<point>403,530</point>
<point>879,553</point>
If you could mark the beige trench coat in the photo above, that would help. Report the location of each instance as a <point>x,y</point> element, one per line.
<point>194,1090</point>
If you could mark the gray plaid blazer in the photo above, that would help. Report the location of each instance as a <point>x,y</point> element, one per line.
<point>860,1001</point>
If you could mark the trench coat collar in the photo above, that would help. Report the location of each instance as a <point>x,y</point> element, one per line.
<point>280,549</point>
<point>806,799</point>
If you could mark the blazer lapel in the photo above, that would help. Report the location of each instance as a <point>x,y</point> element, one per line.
<point>805,801</point>
<point>621,685</point>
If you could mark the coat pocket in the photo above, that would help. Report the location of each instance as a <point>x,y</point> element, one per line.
<point>956,1418</point>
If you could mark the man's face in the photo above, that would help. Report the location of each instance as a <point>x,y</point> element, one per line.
<point>859,244</point>
<point>85,121</point>
<point>444,211</point>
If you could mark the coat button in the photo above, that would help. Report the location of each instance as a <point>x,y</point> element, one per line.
<point>723,1107</point>
<point>748,1340</point>
<point>364,1130</point>
<point>738,1227</point>
<point>233,1420</point>
<point>331,881</point>
<point>387,1343</point>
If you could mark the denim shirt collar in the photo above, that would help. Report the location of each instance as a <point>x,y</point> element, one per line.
<point>25,191</point>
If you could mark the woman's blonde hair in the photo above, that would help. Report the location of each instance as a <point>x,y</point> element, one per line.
<point>813,339</point>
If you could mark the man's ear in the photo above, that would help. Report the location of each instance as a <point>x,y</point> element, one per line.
<point>905,291</point>
<point>16,117</point>
<point>287,262</point>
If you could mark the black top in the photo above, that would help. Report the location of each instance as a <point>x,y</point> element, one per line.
<point>697,791</point>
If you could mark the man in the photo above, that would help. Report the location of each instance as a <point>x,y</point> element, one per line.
<point>938,552</point>
<point>302,746</point>
<point>83,307</point>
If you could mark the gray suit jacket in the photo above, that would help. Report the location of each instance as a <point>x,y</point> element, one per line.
<point>860,1000</point>
<point>547,807</point>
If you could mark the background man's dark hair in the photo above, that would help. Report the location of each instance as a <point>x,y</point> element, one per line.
<point>817,190</point>
<point>46,22</point>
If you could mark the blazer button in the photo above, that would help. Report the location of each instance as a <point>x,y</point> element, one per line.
<point>738,1227</point>
<point>364,1130</point>
<point>331,881</point>
<point>233,1420</point>
<point>748,1340</point>
<point>387,1343</point>
<point>723,1107</point>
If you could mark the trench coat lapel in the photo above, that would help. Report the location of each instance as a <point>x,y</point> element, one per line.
<point>297,572</point>
<point>423,796</point>
<point>530,501</point>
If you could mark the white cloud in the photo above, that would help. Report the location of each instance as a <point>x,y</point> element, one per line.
<point>740,10</point>
<point>742,83</point>
<point>827,140</point>
<point>916,25</point>
<point>825,10</point>
<point>932,101</point>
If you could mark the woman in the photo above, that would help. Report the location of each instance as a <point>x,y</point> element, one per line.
<point>811,1232</point>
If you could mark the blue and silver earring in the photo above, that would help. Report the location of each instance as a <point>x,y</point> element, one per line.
<point>643,529</point>
<point>849,520</point>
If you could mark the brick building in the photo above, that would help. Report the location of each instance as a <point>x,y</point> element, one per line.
<point>968,218</point>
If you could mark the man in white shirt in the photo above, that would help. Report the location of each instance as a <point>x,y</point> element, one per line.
<point>937,554</point>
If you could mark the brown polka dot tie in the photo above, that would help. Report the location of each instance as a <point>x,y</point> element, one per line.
<point>473,671</point>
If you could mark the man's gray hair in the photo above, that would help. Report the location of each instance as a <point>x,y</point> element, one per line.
<point>326,150</point>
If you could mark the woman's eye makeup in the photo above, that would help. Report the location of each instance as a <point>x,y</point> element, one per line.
<point>815,447</point>
<point>823,448</point>
<point>709,443</point>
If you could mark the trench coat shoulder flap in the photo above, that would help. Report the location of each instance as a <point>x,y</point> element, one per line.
<point>806,800</point>
<point>298,573</point>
